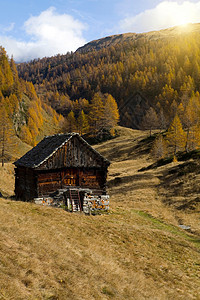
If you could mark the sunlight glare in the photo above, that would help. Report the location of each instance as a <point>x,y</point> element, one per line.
<point>183,17</point>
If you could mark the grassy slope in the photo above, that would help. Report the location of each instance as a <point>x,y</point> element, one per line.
<point>126,37</point>
<point>135,252</point>
<point>7,172</point>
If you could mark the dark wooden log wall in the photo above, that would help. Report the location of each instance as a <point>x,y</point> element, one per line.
<point>25,184</point>
<point>50,181</point>
<point>32,184</point>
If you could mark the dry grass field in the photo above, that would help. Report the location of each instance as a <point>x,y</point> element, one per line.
<point>7,180</point>
<point>137,251</point>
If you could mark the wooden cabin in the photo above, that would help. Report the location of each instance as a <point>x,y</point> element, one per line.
<point>59,162</point>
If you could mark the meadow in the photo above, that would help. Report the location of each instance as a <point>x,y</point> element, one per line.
<point>136,251</point>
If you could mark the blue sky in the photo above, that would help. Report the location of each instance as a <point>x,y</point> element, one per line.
<point>38,28</point>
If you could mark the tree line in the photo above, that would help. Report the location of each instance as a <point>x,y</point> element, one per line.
<point>163,70</point>
<point>26,115</point>
<point>181,133</point>
<point>98,117</point>
<point>22,114</point>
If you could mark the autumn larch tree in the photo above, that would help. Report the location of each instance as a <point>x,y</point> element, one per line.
<point>6,135</point>
<point>150,120</point>
<point>190,121</point>
<point>69,124</point>
<point>111,113</point>
<point>82,123</point>
<point>96,114</point>
<point>25,135</point>
<point>176,136</point>
<point>162,122</point>
<point>193,139</point>
<point>159,148</point>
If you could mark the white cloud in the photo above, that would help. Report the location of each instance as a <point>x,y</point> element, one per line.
<point>9,28</point>
<point>49,33</point>
<point>164,15</point>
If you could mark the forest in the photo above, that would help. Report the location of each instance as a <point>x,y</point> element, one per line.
<point>150,82</point>
<point>22,114</point>
<point>25,115</point>
<point>164,71</point>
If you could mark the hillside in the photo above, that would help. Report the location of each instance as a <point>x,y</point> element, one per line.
<point>162,67</point>
<point>23,117</point>
<point>137,251</point>
<point>117,39</point>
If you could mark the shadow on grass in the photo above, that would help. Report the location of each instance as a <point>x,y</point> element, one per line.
<point>181,156</point>
<point>120,189</point>
<point>179,184</point>
<point>126,179</point>
<point>122,151</point>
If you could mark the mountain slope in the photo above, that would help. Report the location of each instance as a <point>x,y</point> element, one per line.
<point>135,252</point>
<point>22,115</point>
<point>162,67</point>
<point>117,39</point>
<point>108,41</point>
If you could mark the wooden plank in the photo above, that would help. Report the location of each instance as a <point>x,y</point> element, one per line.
<point>48,183</point>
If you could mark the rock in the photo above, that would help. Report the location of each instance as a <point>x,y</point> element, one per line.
<point>185,227</point>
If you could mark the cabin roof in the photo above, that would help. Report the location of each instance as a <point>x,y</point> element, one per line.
<point>47,147</point>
